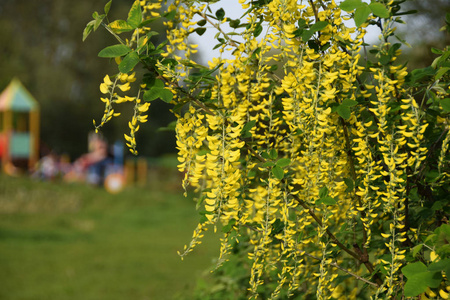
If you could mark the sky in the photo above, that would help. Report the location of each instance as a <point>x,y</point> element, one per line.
<point>234,10</point>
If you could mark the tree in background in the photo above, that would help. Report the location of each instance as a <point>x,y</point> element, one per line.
<point>41,45</point>
<point>330,180</point>
<point>424,31</point>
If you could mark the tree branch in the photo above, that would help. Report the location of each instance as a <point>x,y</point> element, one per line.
<point>360,258</point>
<point>231,41</point>
<point>334,264</point>
<point>329,233</point>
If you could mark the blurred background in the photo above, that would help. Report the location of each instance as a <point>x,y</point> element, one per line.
<point>69,240</point>
<point>41,45</point>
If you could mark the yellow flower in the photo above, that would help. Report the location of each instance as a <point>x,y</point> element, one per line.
<point>104,88</point>
<point>106,80</point>
<point>124,87</point>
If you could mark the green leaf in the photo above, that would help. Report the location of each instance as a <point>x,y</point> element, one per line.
<point>349,102</point>
<point>361,15</point>
<point>328,200</point>
<point>158,83</point>
<point>151,95</point>
<point>166,95</point>
<point>416,249</point>
<point>201,152</point>
<point>416,285</point>
<point>107,6</point>
<point>227,228</point>
<point>306,35</point>
<point>162,45</point>
<point>119,26</point>
<point>217,46</point>
<point>344,111</point>
<point>265,155</point>
<point>283,162</point>
<point>445,103</point>
<point>277,226</point>
<point>419,279</point>
<point>200,201</point>
<point>235,23</point>
<point>278,172</point>
<point>142,42</point>
<point>268,164</point>
<point>323,192</point>
<point>200,30</point>
<point>98,21</point>
<point>350,185</point>
<point>385,59</point>
<point>148,21</point>
<point>409,12</point>
<point>350,5</point>
<point>441,72</point>
<point>152,33</point>
<point>436,51</point>
<point>158,93</point>
<point>379,10</point>
<point>258,30</point>
<point>171,127</point>
<point>114,51</point>
<point>419,74</point>
<point>201,22</point>
<point>249,125</point>
<point>394,48</point>
<point>411,269</point>
<point>170,15</point>
<point>88,29</point>
<point>439,265</point>
<point>135,15</point>
<point>319,26</point>
<point>220,14</point>
<point>129,62</point>
<point>273,154</point>
<point>302,23</point>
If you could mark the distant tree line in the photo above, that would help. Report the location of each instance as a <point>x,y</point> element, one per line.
<point>41,44</point>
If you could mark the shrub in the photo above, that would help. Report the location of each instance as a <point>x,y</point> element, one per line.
<point>325,169</point>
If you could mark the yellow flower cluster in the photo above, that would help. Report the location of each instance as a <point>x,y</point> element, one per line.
<point>288,143</point>
<point>122,81</point>
<point>294,114</point>
<point>108,88</point>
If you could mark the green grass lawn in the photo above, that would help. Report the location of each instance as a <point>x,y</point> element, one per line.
<point>73,241</point>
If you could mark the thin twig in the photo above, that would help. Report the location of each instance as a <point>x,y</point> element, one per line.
<point>329,233</point>
<point>177,86</point>
<point>316,16</point>
<point>334,264</point>
<point>352,169</point>
<point>231,41</point>
<point>359,256</point>
<point>114,34</point>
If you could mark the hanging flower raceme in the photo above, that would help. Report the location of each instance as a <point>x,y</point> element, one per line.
<point>318,165</point>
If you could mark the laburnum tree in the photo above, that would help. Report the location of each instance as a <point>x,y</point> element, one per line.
<point>322,161</point>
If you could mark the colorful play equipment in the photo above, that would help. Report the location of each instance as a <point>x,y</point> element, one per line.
<point>19,126</point>
<point>136,170</point>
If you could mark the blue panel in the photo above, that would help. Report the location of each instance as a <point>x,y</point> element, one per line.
<point>19,145</point>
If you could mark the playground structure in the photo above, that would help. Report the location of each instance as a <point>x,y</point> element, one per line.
<point>136,171</point>
<point>19,127</point>
<point>104,165</point>
<point>19,148</point>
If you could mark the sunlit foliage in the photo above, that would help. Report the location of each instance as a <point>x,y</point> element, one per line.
<point>327,170</point>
